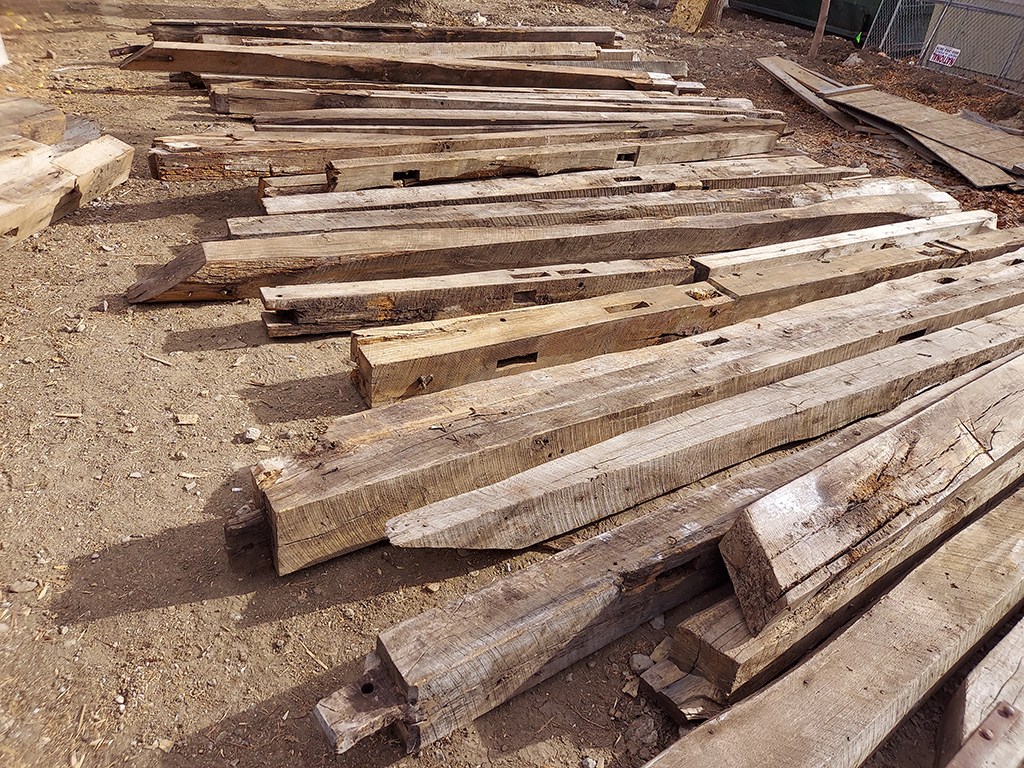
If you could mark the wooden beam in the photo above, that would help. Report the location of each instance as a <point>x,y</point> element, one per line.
<point>98,166</point>
<point>899,235</point>
<point>578,488</point>
<point>787,546</point>
<point>186,30</point>
<point>997,680</point>
<point>877,671</point>
<point>576,210</point>
<point>333,307</point>
<point>245,60</point>
<point>233,269</point>
<point>32,120</point>
<point>400,361</point>
<point>533,417</point>
<point>683,697</point>
<point>652,563</point>
<point>765,170</point>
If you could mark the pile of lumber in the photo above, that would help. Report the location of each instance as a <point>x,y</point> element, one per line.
<point>982,153</point>
<point>43,178</point>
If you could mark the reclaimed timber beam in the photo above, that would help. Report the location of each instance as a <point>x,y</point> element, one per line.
<point>333,307</point>
<point>277,61</point>
<point>186,30</point>
<point>764,170</point>
<point>615,581</point>
<point>579,488</point>
<point>506,426</point>
<point>242,154</point>
<point>31,120</point>
<point>899,235</point>
<point>996,682</point>
<point>787,546</point>
<point>578,210</point>
<point>234,269</point>
<point>400,361</point>
<point>366,173</point>
<point>872,675</point>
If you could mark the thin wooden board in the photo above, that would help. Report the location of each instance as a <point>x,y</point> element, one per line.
<point>771,64</point>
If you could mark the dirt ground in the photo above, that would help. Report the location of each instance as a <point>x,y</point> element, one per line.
<point>144,642</point>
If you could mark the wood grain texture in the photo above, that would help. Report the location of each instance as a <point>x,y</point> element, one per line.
<point>657,561</point>
<point>783,548</point>
<point>506,426</point>
<point>578,488</point>
<point>32,120</point>
<point>899,235</point>
<point>771,64</point>
<point>999,677</point>
<point>917,633</point>
<point>248,60</point>
<point>348,306</point>
<point>233,269</point>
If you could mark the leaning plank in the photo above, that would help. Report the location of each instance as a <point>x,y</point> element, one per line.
<point>348,175</point>
<point>588,485</point>
<point>186,30</point>
<point>900,235</point>
<point>397,362</point>
<point>615,581</point>
<point>579,210</point>
<point>764,170</point>
<point>782,548</point>
<point>240,59</point>
<point>246,153</point>
<point>997,680</point>
<point>876,672</point>
<point>234,268</point>
<point>32,120</point>
<point>333,307</point>
<point>771,66</point>
<point>717,643</point>
<point>509,425</point>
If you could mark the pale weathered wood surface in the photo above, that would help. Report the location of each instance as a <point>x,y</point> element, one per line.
<point>512,424</point>
<point>331,307</point>
<point>98,166</point>
<point>784,547</point>
<point>32,120</point>
<point>498,51</point>
<point>773,66</point>
<point>247,60</point>
<point>232,269</point>
<point>999,677</point>
<point>570,491</point>
<point>867,679</point>
<point>657,561</point>
<point>899,235</point>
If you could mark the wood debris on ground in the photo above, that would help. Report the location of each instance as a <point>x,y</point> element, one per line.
<point>575,290</point>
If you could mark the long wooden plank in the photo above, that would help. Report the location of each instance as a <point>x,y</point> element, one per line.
<point>331,307</point>
<point>771,65</point>
<point>579,210</point>
<point>401,361</point>
<point>245,153</point>
<point>247,100</point>
<point>718,644</point>
<point>765,170</point>
<point>232,268</point>
<point>348,175</point>
<point>899,235</point>
<point>997,679</point>
<point>656,562</point>
<point>873,675</point>
<point>186,30</point>
<point>783,548</point>
<point>510,425</point>
<point>579,488</point>
<point>237,59</point>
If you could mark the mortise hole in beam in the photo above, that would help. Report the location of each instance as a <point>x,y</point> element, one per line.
<point>406,176</point>
<point>518,360</point>
<point>11,232</point>
<point>912,335</point>
<point>367,688</point>
<point>530,275</point>
<point>526,298</point>
<point>567,272</point>
<point>946,280</point>
<point>714,342</point>
<point>627,307</point>
<point>626,157</point>
<point>1015,262</point>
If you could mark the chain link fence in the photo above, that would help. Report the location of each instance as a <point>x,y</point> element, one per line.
<point>963,37</point>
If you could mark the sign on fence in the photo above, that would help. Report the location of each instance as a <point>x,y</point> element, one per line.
<point>944,55</point>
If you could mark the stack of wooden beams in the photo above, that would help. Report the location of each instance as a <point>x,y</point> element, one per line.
<point>41,182</point>
<point>982,153</point>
